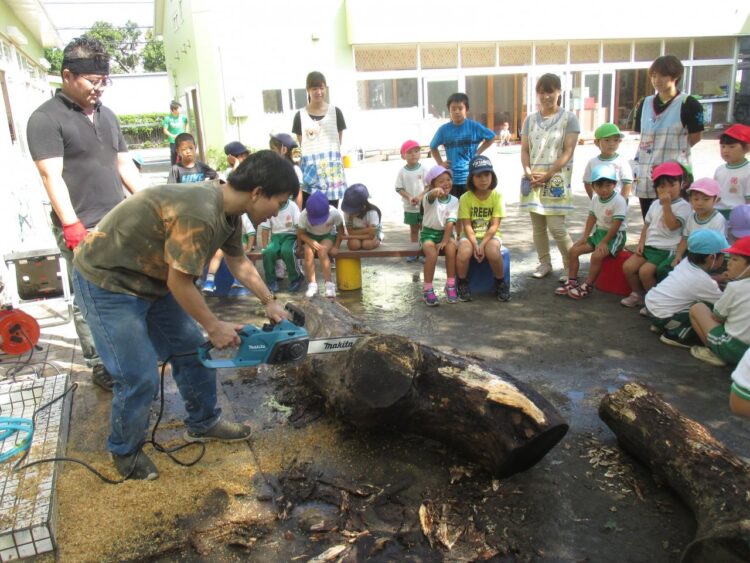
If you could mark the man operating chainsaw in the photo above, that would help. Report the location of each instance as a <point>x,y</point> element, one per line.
<point>135,276</point>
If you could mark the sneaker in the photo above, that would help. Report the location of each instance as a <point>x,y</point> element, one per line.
<point>502,290</point>
<point>411,259</point>
<point>451,295</point>
<point>430,298</point>
<point>331,290</point>
<point>421,259</point>
<point>563,279</point>
<point>580,291</point>
<point>542,271</point>
<point>706,355</point>
<point>236,284</point>
<point>222,431</point>
<point>312,290</point>
<point>100,376</point>
<point>564,289</point>
<point>672,340</point>
<point>136,466</point>
<point>280,269</point>
<point>656,329</point>
<point>273,286</point>
<point>296,285</point>
<point>209,287</point>
<point>643,312</point>
<point>464,293</point>
<point>635,299</point>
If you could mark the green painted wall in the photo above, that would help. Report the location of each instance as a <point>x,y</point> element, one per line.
<point>33,48</point>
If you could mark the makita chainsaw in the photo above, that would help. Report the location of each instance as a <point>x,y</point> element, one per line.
<point>279,343</point>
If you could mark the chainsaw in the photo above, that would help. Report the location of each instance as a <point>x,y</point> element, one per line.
<point>276,343</point>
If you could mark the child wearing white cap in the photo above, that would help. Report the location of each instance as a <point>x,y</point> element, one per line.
<point>668,304</point>
<point>702,195</point>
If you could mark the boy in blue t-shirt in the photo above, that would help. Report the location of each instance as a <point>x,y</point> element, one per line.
<point>460,138</point>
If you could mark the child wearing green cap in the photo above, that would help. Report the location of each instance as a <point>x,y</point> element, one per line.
<point>668,303</point>
<point>607,137</point>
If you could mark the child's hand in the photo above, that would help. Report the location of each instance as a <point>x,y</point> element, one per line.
<point>413,200</point>
<point>478,251</point>
<point>664,196</point>
<point>446,164</point>
<point>676,261</point>
<point>440,246</point>
<point>601,249</point>
<point>639,249</point>
<point>315,245</point>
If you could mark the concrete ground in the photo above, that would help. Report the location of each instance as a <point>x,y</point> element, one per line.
<point>585,501</point>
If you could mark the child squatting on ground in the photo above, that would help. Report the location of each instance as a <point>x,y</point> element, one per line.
<point>480,211</point>
<point>661,233</point>
<point>668,304</point>
<point>321,230</point>
<point>608,213</point>
<point>702,195</point>
<point>409,185</point>
<point>282,246</point>
<point>361,218</point>
<point>440,215</point>
<point>725,331</point>
<point>734,176</point>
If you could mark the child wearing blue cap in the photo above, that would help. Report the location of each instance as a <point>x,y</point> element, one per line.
<point>362,219</point>
<point>668,303</point>
<point>320,229</point>
<point>608,213</point>
<point>608,138</point>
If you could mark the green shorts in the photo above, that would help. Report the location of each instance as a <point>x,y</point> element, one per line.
<point>678,325</point>
<point>321,238</point>
<point>728,348</point>
<point>615,244</point>
<point>412,218</point>
<point>434,235</point>
<point>661,258</point>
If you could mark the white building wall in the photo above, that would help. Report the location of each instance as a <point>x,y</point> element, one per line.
<point>138,93</point>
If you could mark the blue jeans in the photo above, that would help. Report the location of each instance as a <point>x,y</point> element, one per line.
<point>131,335</point>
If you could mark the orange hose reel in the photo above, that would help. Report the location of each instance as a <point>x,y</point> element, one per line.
<point>19,332</point>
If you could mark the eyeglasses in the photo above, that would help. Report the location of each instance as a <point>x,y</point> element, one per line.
<point>98,83</point>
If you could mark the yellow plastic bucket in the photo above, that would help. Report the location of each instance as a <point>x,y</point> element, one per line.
<point>348,273</point>
<point>347,161</point>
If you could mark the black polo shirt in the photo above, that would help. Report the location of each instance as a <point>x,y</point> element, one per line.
<point>60,128</point>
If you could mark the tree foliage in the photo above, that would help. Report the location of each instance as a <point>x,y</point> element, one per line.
<point>153,54</point>
<point>55,58</point>
<point>122,44</point>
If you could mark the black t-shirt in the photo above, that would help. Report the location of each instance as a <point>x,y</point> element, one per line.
<point>60,128</point>
<point>201,172</point>
<point>691,113</point>
<point>297,124</point>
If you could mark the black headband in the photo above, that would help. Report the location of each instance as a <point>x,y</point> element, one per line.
<point>94,65</point>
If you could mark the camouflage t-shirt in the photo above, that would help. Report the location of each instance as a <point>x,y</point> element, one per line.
<point>131,249</point>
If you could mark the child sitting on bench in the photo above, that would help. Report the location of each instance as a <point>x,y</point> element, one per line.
<point>362,219</point>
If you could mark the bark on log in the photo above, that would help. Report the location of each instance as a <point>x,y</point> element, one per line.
<point>393,382</point>
<point>711,480</point>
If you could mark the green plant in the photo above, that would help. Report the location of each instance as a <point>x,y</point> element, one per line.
<point>216,158</point>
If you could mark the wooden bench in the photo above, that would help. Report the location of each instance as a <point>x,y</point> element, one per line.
<point>349,262</point>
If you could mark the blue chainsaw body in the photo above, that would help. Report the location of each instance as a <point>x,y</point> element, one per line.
<point>279,343</point>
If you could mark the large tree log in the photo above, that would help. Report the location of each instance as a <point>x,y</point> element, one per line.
<point>711,480</point>
<point>389,381</point>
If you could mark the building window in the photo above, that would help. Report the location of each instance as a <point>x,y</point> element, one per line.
<point>478,56</point>
<point>272,101</point>
<point>711,81</point>
<point>515,55</point>
<point>297,98</point>
<point>439,57</point>
<point>584,53</point>
<point>385,58</point>
<point>387,94</point>
<point>647,50</point>
<point>551,54</point>
<point>713,48</point>
<point>617,52</point>
<point>680,48</point>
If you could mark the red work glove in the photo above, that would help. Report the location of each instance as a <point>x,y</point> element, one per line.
<point>74,234</point>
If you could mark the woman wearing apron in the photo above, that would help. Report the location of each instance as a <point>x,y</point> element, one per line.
<point>548,139</point>
<point>319,128</point>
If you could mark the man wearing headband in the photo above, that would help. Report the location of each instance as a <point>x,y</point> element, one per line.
<point>82,158</point>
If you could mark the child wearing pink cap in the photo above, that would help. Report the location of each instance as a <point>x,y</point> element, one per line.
<point>661,233</point>
<point>703,195</point>
<point>734,176</point>
<point>410,185</point>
